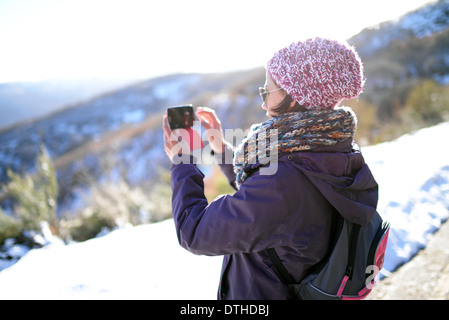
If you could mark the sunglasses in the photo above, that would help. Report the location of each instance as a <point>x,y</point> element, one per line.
<point>264,93</point>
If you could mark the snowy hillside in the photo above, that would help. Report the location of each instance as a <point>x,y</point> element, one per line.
<point>146,262</point>
<point>413,177</point>
<point>423,22</point>
<point>123,127</point>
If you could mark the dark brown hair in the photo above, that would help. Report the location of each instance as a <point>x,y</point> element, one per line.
<point>285,104</point>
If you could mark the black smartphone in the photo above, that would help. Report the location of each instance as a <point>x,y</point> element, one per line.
<point>180,116</point>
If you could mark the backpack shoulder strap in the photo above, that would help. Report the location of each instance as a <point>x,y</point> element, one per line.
<point>279,266</point>
<point>353,239</point>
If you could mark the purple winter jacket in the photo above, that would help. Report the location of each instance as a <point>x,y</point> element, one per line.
<point>292,210</point>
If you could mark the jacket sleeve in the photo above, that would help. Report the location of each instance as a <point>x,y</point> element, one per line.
<point>225,162</point>
<point>254,218</point>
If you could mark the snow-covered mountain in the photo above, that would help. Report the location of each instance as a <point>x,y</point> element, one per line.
<point>146,262</point>
<point>423,22</point>
<point>399,55</point>
<point>124,126</point>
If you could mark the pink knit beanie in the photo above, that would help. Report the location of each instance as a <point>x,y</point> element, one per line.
<point>318,73</point>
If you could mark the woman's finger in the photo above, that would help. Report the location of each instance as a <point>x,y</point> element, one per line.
<point>209,119</point>
<point>166,127</point>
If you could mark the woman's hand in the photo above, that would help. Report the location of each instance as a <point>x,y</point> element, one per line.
<point>174,142</point>
<point>212,124</point>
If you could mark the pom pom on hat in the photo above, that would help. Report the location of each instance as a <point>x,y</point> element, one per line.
<point>318,73</point>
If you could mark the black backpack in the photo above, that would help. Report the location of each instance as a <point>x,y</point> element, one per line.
<point>348,272</point>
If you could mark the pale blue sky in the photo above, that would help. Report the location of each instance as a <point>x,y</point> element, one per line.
<point>48,39</point>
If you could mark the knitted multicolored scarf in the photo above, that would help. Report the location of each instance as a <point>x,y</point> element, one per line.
<point>297,131</point>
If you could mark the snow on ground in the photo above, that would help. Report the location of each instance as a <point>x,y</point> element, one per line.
<point>146,262</point>
<point>143,262</point>
<point>413,177</point>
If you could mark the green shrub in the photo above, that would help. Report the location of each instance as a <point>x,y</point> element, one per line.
<point>9,227</point>
<point>86,225</point>
<point>428,103</point>
<point>35,194</point>
<point>111,205</point>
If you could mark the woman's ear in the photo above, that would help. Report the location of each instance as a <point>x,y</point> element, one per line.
<point>292,105</point>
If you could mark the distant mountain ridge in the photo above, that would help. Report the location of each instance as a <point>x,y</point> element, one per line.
<point>423,22</point>
<point>399,55</point>
<point>123,126</point>
<point>396,55</point>
<point>25,101</point>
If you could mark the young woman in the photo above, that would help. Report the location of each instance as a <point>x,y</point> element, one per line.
<point>320,172</point>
